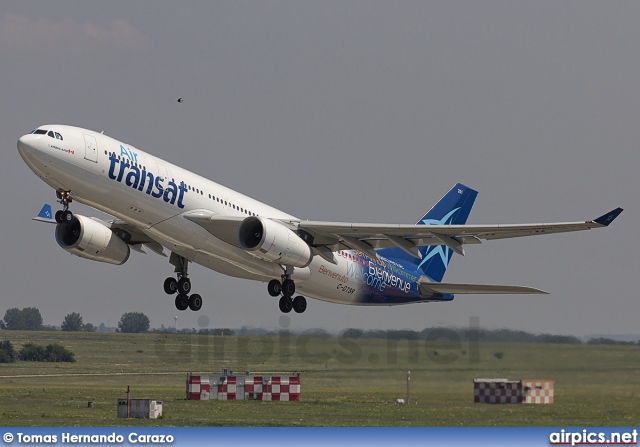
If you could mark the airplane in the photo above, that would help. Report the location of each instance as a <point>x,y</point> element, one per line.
<point>157,205</point>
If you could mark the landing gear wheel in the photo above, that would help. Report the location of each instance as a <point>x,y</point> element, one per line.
<point>195,302</point>
<point>274,287</point>
<point>288,288</point>
<point>182,302</point>
<point>285,305</point>
<point>299,304</point>
<point>184,286</point>
<point>170,286</point>
<point>67,216</point>
<point>59,216</point>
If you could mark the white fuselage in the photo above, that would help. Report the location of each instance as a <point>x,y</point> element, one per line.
<point>106,174</point>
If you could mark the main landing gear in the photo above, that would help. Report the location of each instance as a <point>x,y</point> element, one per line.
<point>182,285</point>
<point>64,215</point>
<point>287,289</point>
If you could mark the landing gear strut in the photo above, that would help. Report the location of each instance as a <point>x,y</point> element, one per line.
<point>182,285</point>
<point>64,215</point>
<point>287,288</point>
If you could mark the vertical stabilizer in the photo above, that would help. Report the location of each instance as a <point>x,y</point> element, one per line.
<point>452,209</point>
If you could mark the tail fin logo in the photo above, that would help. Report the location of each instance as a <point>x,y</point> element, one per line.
<point>442,250</point>
<point>446,220</point>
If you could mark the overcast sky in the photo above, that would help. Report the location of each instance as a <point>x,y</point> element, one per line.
<point>342,111</point>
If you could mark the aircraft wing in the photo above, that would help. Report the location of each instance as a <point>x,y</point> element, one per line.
<point>367,236</point>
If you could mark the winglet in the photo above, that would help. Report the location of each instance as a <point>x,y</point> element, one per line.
<point>45,214</point>
<point>608,218</point>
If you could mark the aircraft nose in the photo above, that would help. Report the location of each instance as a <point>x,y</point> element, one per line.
<point>26,144</point>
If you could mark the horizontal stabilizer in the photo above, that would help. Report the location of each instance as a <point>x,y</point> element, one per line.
<point>45,215</point>
<point>427,288</point>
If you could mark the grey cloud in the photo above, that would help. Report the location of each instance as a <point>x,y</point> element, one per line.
<point>19,32</point>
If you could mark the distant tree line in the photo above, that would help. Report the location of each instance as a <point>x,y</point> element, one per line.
<point>7,353</point>
<point>610,341</point>
<point>217,331</point>
<point>27,319</point>
<point>73,323</point>
<point>30,319</point>
<point>133,322</point>
<point>486,335</point>
<point>53,352</point>
<point>31,352</point>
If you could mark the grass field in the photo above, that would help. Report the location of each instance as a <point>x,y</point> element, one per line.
<point>345,382</point>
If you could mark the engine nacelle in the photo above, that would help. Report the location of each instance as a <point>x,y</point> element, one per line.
<point>89,239</point>
<point>272,241</point>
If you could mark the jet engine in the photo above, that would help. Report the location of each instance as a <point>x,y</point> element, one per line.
<point>272,241</point>
<point>90,239</point>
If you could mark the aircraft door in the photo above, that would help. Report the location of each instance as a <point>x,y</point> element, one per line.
<point>90,148</point>
<point>162,171</point>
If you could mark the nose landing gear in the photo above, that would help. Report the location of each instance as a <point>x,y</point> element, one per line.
<point>64,215</point>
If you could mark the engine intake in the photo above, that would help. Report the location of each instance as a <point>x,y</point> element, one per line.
<point>90,239</point>
<point>271,241</point>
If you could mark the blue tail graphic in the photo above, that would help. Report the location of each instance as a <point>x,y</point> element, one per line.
<point>452,209</point>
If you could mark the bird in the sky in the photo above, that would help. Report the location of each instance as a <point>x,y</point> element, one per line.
<point>179,99</point>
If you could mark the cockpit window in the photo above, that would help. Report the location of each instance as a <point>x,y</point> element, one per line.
<point>39,131</point>
<point>55,135</point>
